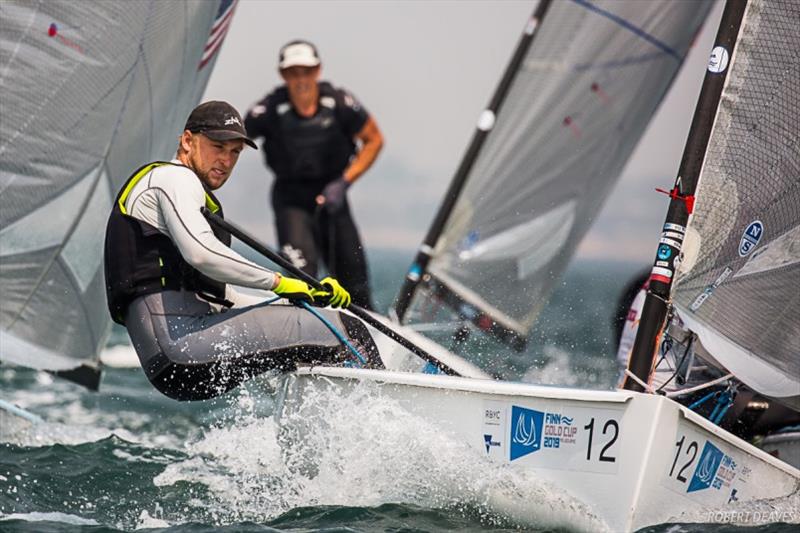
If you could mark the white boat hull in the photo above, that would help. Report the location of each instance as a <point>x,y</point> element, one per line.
<point>621,460</point>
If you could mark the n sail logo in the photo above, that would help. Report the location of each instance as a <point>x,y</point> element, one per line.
<point>751,237</point>
<point>707,468</point>
<point>526,431</point>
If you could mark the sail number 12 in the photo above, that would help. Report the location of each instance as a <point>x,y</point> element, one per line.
<point>611,432</point>
<point>690,455</point>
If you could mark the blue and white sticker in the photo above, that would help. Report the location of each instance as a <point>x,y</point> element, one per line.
<point>570,438</point>
<point>706,471</point>
<point>751,237</point>
<point>718,61</point>
<point>533,430</point>
<point>709,289</point>
<point>526,431</point>
<point>701,299</point>
<point>702,469</point>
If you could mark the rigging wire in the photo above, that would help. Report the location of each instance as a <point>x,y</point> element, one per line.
<point>680,363</point>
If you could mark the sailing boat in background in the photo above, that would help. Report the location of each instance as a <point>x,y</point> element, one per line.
<point>90,91</point>
<point>628,459</point>
<point>571,107</point>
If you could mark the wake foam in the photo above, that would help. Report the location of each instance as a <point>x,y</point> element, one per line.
<point>355,447</point>
<point>50,517</point>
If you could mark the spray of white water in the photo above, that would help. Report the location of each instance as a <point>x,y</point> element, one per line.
<point>356,447</point>
<point>68,420</point>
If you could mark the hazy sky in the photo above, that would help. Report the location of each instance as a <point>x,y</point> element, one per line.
<point>425,70</point>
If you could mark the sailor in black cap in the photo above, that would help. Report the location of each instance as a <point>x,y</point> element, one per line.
<point>318,140</point>
<point>169,276</point>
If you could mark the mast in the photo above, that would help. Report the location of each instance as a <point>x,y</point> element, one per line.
<point>666,262</point>
<point>485,124</point>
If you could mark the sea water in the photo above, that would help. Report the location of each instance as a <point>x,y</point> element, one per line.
<point>127,458</point>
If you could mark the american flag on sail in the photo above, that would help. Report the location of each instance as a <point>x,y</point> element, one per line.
<point>218,30</point>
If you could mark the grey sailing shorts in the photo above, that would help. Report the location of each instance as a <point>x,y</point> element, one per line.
<point>190,352</point>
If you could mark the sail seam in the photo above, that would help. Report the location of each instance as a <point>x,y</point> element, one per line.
<point>70,275</point>
<point>619,63</point>
<point>57,253</point>
<point>18,44</point>
<point>121,113</point>
<point>632,28</point>
<point>146,69</point>
<point>5,143</point>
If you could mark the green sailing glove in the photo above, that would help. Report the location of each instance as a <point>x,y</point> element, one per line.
<point>295,289</point>
<point>338,296</point>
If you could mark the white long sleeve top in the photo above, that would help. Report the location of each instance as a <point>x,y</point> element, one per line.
<point>169,198</point>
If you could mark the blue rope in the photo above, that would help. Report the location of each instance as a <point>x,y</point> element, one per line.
<point>702,400</point>
<point>719,411</point>
<point>722,412</point>
<point>723,403</point>
<point>337,333</point>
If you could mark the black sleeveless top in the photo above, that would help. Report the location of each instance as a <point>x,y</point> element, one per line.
<point>309,151</point>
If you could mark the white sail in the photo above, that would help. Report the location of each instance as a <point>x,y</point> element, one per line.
<point>90,92</point>
<point>738,286</point>
<point>583,95</point>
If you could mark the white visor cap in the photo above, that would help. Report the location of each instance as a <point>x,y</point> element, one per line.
<point>298,54</point>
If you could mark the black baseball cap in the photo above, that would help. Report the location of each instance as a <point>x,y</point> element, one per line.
<point>219,121</point>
